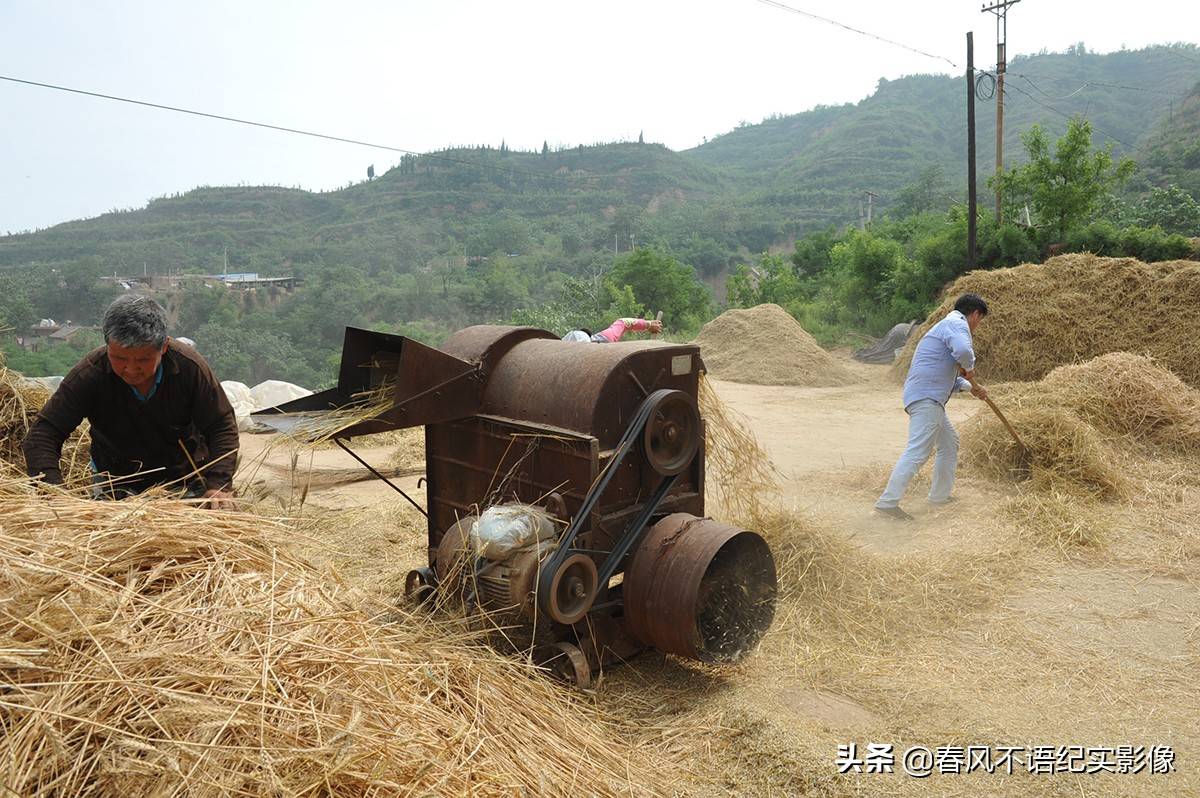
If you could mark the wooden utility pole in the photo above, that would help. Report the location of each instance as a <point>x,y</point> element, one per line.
<point>971,220</point>
<point>870,200</point>
<point>1000,9</point>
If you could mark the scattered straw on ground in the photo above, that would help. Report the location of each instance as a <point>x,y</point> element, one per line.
<point>764,345</point>
<point>410,448</point>
<point>154,649</point>
<point>1075,307</point>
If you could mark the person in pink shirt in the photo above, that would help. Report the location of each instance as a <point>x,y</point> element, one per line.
<point>614,331</point>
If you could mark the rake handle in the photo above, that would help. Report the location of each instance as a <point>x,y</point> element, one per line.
<point>999,415</point>
<point>1007,426</point>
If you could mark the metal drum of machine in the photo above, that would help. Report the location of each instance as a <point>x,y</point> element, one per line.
<point>565,488</point>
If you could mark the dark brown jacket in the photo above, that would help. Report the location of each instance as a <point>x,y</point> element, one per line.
<point>188,409</point>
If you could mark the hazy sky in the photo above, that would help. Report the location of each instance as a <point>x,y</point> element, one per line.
<point>422,75</point>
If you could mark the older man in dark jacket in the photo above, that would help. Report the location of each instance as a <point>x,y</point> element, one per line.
<point>158,415</point>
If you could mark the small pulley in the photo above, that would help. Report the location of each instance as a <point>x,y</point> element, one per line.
<point>572,589</point>
<point>672,434</point>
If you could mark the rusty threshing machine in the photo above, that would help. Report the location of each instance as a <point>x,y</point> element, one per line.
<point>565,491</point>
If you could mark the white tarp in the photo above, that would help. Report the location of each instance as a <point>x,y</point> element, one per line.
<point>246,400</point>
<point>49,383</point>
<point>239,396</point>
<point>275,392</point>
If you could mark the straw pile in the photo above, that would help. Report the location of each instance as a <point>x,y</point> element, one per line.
<point>1083,424</point>
<point>764,345</point>
<point>1131,397</point>
<point>154,649</point>
<point>20,401</point>
<point>1075,307</point>
<point>1062,453</point>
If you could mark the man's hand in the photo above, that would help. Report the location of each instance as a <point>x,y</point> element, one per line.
<point>218,499</point>
<point>978,391</point>
<point>655,326</point>
<point>969,376</point>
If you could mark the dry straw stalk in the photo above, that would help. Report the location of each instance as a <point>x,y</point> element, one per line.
<point>154,649</point>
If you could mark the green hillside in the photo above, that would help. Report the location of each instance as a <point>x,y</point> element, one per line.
<point>818,164</point>
<point>1171,152</point>
<point>480,234</point>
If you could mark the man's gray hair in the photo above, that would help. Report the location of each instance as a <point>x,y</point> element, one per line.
<point>133,320</point>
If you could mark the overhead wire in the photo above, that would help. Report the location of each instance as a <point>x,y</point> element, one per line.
<point>285,129</point>
<point>1039,90</point>
<point>1087,84</point>
<point>1064,114</point>
<point>852,29</point>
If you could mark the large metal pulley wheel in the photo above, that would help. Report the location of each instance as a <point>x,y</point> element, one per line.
<point>672,435</point>
<point>568,663</point>
<point>572,589</point>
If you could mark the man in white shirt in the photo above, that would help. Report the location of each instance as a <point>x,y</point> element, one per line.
<point>945,352</point>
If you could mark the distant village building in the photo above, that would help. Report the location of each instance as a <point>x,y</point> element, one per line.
<point>250,280</point>
<point>48,332</point>
<point>165,283</point>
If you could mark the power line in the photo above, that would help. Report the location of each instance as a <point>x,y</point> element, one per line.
<point>1065,114</point>
<point>283,129</point>
<point>842,25</point>
<point>1091,84</point>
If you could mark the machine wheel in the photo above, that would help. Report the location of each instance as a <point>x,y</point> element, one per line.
<point>572,589</point>
<point>419,585</point>
<point>568,663</point>
<point>672,435</point>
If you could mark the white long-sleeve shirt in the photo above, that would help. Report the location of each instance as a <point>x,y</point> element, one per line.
<point>933,373</point>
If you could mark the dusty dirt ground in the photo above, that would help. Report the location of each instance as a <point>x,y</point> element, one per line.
<point>972,626</point>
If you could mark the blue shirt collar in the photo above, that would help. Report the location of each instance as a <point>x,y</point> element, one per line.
<point>153,388</point>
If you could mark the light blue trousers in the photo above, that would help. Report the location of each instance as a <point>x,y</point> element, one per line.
<point>928,428</point>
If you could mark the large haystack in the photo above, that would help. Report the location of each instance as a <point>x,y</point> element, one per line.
<point>764,345</point>
<point>1075,307</point>
<point>155,649</point>
<point>1085,424</point>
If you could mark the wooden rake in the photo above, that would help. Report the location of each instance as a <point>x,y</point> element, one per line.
<point>1011,430</point>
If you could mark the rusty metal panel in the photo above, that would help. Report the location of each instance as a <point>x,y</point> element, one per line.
<point>590,388</point>
<point>425,385</point>
<point>485,344</point>
<point>484,460</point>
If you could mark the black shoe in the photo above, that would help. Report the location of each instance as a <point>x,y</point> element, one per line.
<point>894,512</point>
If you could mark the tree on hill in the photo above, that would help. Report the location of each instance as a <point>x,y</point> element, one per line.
<point>1063,187</point>
<point>659,282</point>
